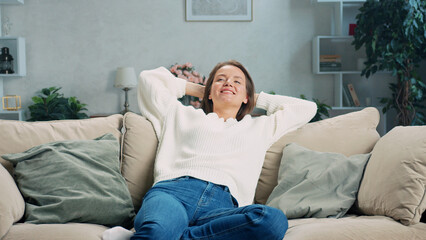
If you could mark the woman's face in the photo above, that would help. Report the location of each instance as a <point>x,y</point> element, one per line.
<point>228,87</point>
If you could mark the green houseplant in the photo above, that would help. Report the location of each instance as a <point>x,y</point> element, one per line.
<point>52,105</point>
<point>393,33</point>
<point>322,109</point>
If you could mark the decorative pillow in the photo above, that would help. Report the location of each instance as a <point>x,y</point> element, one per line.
<point>316,184</point>
<point>20,136</point>
<point>139,151</point>
<point>348,134</point>
<point>12,204</point>
<point>74,181</point>
<point>395,178</point>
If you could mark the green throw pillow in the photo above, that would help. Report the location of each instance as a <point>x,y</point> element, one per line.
<point>316,184</point>
<point>74,181</point>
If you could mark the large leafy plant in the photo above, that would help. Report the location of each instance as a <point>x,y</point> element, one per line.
<point>393,33</point>
<point>52,105</point>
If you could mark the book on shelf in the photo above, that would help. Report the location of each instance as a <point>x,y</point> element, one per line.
<point>330,63</point>
<point>353,95</point>
<point>330,58</point>
<point>331,67</point>
<point>347,101</point>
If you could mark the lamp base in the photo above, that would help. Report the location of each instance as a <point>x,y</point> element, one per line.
<point>125,111</point>
<point>126,102</point>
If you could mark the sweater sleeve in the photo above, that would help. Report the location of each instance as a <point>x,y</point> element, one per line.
<point>158,90</point>
<point>285,114</point>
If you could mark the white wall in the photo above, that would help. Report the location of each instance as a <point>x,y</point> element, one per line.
<point>78,44</point>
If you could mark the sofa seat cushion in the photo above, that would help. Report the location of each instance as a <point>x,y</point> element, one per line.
<point>69,231</point>
<point>353,228</point>
<point>20,136</point>
<point>348,134</point>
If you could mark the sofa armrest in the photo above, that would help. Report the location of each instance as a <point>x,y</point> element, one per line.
<point>12,205</point>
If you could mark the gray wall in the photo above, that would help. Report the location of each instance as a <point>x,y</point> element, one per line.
<point>78,44</point>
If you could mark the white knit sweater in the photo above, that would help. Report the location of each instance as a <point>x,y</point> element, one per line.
<point>204,146</point>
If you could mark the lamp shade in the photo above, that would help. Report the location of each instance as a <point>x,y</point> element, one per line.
<point>125,78</point>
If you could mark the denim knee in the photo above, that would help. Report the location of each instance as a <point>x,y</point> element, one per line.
<point>272,221</point>
<point>153,231</point>
<point>277,221</point>
<point>162,216</point>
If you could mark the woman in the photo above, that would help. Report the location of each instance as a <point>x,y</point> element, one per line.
<point>209,161</point>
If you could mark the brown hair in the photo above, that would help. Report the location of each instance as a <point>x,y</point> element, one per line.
<point>246,108</point>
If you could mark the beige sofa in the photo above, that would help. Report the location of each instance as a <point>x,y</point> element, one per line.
<point>390,202</point>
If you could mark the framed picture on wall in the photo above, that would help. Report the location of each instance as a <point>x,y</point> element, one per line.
<point>219,10</point>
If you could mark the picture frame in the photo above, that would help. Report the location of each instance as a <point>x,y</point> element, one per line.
<point>219,10</point>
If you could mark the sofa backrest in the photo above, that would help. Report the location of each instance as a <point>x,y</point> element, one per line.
<point>139,151</point>
<point>18,136</point>
<point>348,134</point>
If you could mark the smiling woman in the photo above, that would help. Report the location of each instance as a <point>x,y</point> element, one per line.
<point>209,161</point>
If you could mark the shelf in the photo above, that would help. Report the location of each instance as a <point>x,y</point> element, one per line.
<point>340,72</point>
<point>340,1</point>
<point>339,42</point>
<point>336,45</point>
<point>344,14</point>
<point>347,108</point>
<point>11,1</point>
<point>12,115</point>
<point>352,72</point>
<point>16,47</point>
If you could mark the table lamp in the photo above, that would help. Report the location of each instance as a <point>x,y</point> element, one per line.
<point>126,80</point>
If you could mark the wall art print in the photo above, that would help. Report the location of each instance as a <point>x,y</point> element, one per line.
<point>219,10</point>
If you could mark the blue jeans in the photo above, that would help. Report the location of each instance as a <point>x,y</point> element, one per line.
<point>189,208</point>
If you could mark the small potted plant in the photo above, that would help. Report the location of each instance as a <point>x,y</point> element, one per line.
<point>52,105</point>
<point>322,109</point>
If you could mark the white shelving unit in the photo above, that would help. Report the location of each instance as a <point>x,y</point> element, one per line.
<point>339,43</point>
<point>16,47</point>
<point>11,1</point>
<point>13,115</point>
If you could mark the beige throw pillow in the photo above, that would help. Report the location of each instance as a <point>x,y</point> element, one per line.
<point>395,177</point>
<point>349,134</point>
<point>12,205</point>
<point>139,150</point>
<point>18,136</point>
